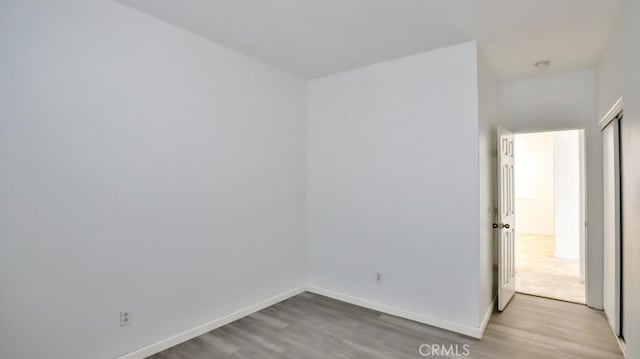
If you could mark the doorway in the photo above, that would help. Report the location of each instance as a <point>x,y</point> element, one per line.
<point>550,214</point>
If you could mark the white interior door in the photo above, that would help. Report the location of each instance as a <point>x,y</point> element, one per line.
<point>506,219</point>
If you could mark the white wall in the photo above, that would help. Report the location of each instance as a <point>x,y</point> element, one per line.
<point>534,174</point>
<point>393,184</point>
<point>619,76</point>
<point>610,88</point>
<point>487,140</point>
<point>567,194</point>
<point>631,178</point>
<point>565,101</point>
<point>142,168</point>
<point>610,72</point>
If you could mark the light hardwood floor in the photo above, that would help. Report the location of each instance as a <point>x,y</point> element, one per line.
<point>538,272</point>
<point>310,326</point>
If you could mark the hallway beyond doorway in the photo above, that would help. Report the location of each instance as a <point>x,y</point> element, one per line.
<point>540,273</point>
<point>549,202</point>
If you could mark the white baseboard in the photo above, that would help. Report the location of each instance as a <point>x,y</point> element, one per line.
<point>208,326</point>
<point>622,345</point>
<point>416,317</point>
<point>188,334</point>
<point>487,316</point>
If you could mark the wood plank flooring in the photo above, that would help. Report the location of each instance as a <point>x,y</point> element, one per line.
<point>310,326</point>
<point>539,272</point>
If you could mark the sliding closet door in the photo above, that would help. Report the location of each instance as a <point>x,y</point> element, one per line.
<point>612,238</point>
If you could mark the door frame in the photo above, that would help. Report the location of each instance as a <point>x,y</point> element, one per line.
<point>616,113</point>
<point>584,243</point>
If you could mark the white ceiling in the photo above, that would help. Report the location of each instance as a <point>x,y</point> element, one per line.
<point>312,38</point>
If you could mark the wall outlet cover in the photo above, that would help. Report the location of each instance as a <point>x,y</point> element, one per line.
<point>125,319</point>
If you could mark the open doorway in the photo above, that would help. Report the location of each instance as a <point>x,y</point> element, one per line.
<point>549,193</point>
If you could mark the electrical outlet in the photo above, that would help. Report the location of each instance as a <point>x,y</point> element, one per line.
<point>125,319</point>
<point>378,277</point>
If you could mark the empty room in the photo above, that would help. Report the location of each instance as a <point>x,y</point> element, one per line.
<point>549,202</point>
<point>266,179</point>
